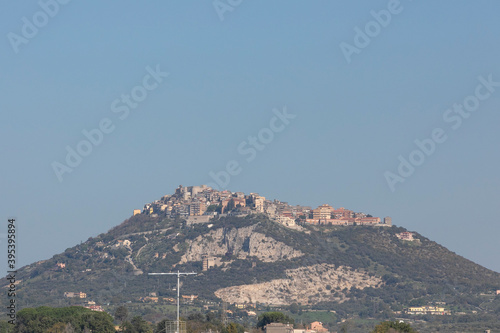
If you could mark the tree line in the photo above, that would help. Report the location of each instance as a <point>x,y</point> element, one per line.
<point>77,319</point>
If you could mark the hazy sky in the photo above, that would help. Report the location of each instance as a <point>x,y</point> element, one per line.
<point>170,91</point>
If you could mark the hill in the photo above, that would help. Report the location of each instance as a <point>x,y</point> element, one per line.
<point>367,271</point>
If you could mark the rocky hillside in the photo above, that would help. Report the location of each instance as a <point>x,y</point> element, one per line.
<point>253,259</point>
<point>243,243</point>
<point>304,285</point>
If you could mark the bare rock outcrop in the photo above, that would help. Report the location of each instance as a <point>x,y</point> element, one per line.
<point>242,243</point>
<point>305,285</point>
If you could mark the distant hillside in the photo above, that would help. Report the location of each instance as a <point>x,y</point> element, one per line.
<point>363,270</point>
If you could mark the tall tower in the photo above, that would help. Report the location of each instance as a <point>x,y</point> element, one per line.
<point>388,220</point>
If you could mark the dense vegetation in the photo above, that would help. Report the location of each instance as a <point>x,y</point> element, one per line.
<point>393,326</point>
<point>70,319</point>
<point>77,319</point>
<point>273,317</point>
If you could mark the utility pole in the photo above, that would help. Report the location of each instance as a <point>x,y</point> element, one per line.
<point>224,313</point>
<point>178,292</point>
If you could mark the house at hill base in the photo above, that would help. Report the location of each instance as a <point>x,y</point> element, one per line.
<point>278,328</point>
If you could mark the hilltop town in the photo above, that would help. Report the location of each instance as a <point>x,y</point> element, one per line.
<point>253,255</point>
<point>199,204</point>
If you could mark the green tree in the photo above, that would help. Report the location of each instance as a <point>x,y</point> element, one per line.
<point>212,208</point>
<point>61,328</point>
<point>273,317</point>
<point>232,328</point>
<point>346,326</point>
<point>121,314</point>
<point>198,316</point>
<point>140,325</point>
<point>6,327</point>
<point>393,327</point>
<point>294,308</point>
<point>230,205</point>
<point>127,327</point>
<point>66,320</point>
<point>100,322</point>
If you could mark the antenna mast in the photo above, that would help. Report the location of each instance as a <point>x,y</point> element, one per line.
<point>178,291</point>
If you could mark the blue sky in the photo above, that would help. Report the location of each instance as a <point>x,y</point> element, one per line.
<point>353,119</point>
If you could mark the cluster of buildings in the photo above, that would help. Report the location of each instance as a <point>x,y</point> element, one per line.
<point>238,308</point>
<point>89,304</point>
<point>70,294</point>
<point>199,204</point>
<point>327,215</point>
<point>153,298</point>
<point>94,307</point>
<point>314,327</point>
<point>427,309</point>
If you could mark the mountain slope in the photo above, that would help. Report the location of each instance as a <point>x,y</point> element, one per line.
<point>347,269</point>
